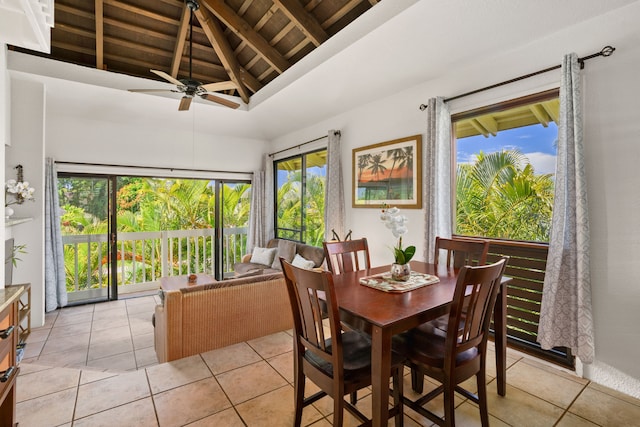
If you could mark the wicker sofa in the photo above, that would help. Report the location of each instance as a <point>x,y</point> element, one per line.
<point>213,314</point>
<point>207,316</point>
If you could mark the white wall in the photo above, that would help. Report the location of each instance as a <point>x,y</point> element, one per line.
<point>144,143</point>
<point>27,149</point>
<point>612,127</point>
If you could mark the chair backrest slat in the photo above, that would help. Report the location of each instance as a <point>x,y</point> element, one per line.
<point>313,298</point>
<point>350,255</point>
<point>462,252</point>
<point>473,301</point>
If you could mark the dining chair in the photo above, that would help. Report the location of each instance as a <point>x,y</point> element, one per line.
<point>340,364</point>
<point>458,354</point>
<point>460,252</point>
<point>346,256</point>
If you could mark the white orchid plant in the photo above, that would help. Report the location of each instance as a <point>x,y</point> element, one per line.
<point>20,190</point>
<point>398,225</point>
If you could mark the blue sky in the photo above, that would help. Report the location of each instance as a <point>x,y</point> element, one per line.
<point>536,142</point>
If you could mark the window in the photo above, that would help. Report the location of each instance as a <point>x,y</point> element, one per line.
<point>505,165</point>
<point>300,184</point>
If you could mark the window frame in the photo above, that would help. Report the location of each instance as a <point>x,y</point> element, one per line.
<point>487,109</point>
<point>303,190</point>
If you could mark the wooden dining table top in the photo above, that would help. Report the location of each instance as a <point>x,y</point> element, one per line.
<point>388,309</point>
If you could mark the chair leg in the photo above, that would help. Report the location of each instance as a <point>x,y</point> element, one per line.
<point>338,410</point>
<point>397,395</point>
<point>354,397</point>
<point>299,394</point>
<point>482,398</point>
<point>417,380</point>
<point>449,402</point>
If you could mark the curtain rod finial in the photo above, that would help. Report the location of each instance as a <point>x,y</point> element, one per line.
<point>607,50</point>
<point>423,107</point>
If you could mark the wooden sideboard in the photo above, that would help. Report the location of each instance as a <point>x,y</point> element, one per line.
<point>9,338</point>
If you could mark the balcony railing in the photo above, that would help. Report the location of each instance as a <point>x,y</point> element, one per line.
<point>144,257</point>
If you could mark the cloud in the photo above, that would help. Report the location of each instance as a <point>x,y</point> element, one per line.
<point>542,163</point>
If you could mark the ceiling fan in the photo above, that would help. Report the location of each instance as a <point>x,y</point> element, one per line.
<point>190,87</point>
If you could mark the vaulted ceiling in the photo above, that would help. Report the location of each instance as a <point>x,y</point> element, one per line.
<point>247,43</point>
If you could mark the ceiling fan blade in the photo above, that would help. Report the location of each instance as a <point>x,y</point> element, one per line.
<point>185,102</point>
<point>167,77</point>
<point>212,87</point>
<point>149,90</point>
<point>220,100</point>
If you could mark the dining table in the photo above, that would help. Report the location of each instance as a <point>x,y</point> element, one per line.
<point>385,314</point>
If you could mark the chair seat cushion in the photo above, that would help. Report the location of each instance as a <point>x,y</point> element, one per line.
<point>426,345</point>
<point>356,353</point>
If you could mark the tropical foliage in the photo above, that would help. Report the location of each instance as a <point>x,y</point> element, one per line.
<point>500,196</point>
<point>289,209</point>
<point>147,205</point>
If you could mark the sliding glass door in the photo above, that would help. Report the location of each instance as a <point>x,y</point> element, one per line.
<point>123,233</point>
<point>87,225</point>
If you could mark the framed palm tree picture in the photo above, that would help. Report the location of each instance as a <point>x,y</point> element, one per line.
<point>388,173</point>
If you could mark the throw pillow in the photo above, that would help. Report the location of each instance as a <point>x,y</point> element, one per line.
<point>286,250</point>
<point>263,255</point>
<point>300,262</point>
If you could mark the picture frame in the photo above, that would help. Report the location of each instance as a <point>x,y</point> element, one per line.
<point>388,174</point>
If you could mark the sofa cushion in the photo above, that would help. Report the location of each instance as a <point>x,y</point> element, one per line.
<point>246,267</point>
<point>286,250</point>
<point>301,262</point>
<point>311,253</point>
<point>263,255</point>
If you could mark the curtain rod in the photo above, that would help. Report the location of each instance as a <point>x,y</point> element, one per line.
<point>304,143</point>
<point>146,167</point>
<point>606,51</point>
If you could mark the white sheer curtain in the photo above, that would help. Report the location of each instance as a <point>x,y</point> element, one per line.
<point>437,175</point>
<point>261,215</point>
<point>256,233</point>
<point>334,215</point>
<point>565,316</point>
<point>55,288</point>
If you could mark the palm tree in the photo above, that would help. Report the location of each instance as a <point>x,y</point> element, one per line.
<point>500,196</point>
<point>363,161</point>
<point>376,165</point>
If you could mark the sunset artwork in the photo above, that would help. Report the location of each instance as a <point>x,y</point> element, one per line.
<point>388,173</point>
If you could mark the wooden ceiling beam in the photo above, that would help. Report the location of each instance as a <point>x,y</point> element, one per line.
<point>489,123</point>
<point>227,15</point>
<point>99,17</point>
<point>306,22</point>
<point>222,48</point>
<point>180,41</point>
<point>251,82</point>
<point>553,109</point>
<point>142,12</point>
<point>341,13</point>
<point>72,11</point>
<point>540,114</point>
<point>478,126</point>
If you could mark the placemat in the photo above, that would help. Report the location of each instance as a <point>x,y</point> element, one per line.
<point>383,282</point>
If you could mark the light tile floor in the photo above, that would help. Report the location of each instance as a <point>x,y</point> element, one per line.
<point>94,365</point>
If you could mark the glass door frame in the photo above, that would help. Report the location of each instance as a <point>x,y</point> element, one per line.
<point>111,288</point>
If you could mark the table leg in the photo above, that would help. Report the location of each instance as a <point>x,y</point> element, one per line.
<point>500,325</point>
<point>380,374</point>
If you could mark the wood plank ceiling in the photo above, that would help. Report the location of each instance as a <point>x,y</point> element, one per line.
<point>248,42</point>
